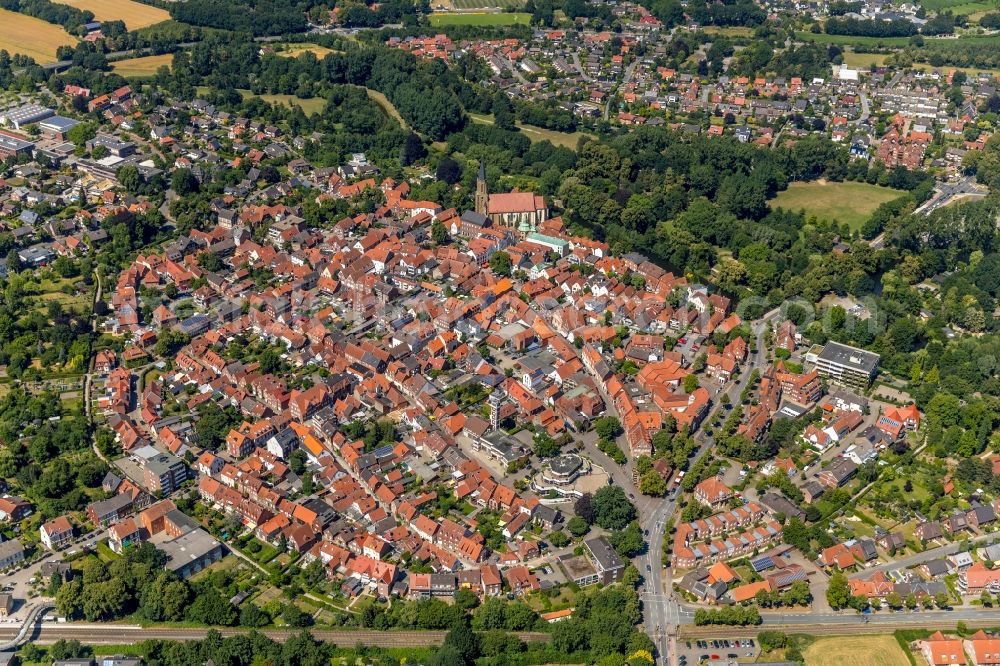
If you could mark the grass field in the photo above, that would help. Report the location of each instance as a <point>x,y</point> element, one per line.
<point>863,60</point>
<point>31,37</point>
<point>142,66</point>
<point>957,6</point>
<point>485,4</point>
<point>858,651</point>
<point>823,38</point>
<point>135,14</point>
<point>846,202</point>
<point>497,18</point>
<point>387,106</point>
<point>567,139</point>
<point>309,106</point>
<point>295,50</point>
<point>728,30</point>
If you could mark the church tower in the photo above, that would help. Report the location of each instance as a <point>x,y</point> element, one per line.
<point>482,194</point>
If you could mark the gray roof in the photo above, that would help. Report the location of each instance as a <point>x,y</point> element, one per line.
<point>849,357</point>
<point>603,553</point>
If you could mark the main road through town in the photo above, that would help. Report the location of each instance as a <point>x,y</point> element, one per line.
<point>662,611</point>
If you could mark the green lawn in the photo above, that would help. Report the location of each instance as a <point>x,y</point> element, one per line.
<point>957,6</point>
<point>567,139</point>
<point>309,106</point>
<point>846,202</point>
<point>823,38</point>
<point>482,4</point>
<point>498,18</point>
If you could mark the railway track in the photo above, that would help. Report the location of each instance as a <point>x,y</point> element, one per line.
<point>116,634</point>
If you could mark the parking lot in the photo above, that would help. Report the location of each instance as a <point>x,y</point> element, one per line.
<point>696,651</point>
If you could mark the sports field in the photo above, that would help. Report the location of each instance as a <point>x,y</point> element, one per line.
<point>32,37</point>
<point>855,651</point>
<point>496,18</point>
<point>846,202</point>
<point>142,66</point>
<point>135,14</point>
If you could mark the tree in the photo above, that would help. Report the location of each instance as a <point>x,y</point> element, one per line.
<point>570,636</point>
<point>838,593</point>
<point>295,616</point>
<point>558,539</point>
<point>210,261</point>
<point>607,427</point>
<point>503,112</point>
<point>183,182</point>
<point>577,526</point>
<point>464,641</point>
<point>413,150</point>
<point>130,178</point>
<point>466,598</point>
<point>500,263</point>
<point>612,509</point>
<point>439,233</point>
<point>584,507</point>
<point>628,542</point>
<point>449,171</point>
<point>251,615</point>
<point>545,446</point>
<point>210,608</point>
<point>690,383</point>
<point>651,483</point>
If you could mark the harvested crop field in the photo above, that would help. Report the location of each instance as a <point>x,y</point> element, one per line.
<point>32,37</point>
<point>135,14</point>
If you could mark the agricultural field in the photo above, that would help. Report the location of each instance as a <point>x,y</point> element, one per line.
<point>496,18</point>
<point>858,651</point>
<point>135,14</point>
<point>146,66</point>
<point>566,139</point>
<point>32,37</point>
<point>846,202</point>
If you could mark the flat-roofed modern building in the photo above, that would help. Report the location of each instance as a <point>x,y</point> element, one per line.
<point>847,365</point>
<point>604,558</point>
<point>25,115</point>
